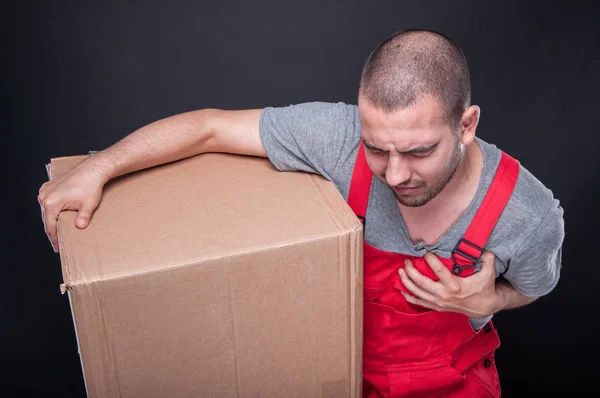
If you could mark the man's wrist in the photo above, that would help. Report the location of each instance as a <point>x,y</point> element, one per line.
<point>102,166</point>
<point>501,298</point>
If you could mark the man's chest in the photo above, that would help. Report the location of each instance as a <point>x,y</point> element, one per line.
<point>429,229</point>
<point>388,229</point>
<point>391,228</point>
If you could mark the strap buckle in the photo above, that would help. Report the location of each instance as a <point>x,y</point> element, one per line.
<point>457,268</point>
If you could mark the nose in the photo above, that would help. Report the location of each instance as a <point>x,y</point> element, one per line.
<point>397,171</point>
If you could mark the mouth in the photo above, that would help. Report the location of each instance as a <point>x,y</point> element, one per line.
<point>407,190</point>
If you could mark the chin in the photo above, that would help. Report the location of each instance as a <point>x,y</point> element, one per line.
<point>412,202</point>
<point>417,200</point>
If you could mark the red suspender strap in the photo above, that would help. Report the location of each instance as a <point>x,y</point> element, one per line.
<point>360,185</point>
<point>470,248</point>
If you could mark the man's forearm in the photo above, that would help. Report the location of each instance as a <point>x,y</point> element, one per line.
<point>163,141</point>
<point>508,297</point>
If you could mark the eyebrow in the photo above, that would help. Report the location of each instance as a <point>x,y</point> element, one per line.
<point>419,149</point>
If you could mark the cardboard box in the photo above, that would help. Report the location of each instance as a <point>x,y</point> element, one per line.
<point>216,276</point>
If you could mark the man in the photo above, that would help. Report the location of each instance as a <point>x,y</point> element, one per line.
<point>439,197</point>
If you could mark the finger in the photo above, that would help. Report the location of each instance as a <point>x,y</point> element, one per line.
<point>422,281</point>
<point>41,197</point>
<point>487,270</point>
<point>49,216</point>
<point>44,221</point>
<point>440,270</point>
<point>417,301</point>
<point>488,261</point>
<point>414,288</point>
<point>84,215</point>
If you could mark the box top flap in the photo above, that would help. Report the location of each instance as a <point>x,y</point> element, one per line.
<point>203,207</point>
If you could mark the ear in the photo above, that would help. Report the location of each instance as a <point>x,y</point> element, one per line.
<point>468,124</point>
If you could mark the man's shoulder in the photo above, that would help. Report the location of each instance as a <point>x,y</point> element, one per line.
<point>528,237</point>
<point>529,193</point>
<point>531,205</point>
<point>317,137</point>
<point>312,108</point>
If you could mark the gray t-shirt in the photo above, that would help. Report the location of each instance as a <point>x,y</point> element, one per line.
<point>324,138</point>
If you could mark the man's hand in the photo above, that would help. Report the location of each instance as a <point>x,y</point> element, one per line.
<point>474,296</point>
<point>79,190</point>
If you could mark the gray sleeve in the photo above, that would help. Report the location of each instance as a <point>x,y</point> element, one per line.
<point>534,269</point>
<point>313,137</point>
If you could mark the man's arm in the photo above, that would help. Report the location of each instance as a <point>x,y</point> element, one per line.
<point>167,140</point>
<point>181,136</point>
<point>507,297</point>
<point>533,272</point>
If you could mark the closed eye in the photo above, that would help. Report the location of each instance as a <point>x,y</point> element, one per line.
<point>422,152</point>
<point>372,149</point>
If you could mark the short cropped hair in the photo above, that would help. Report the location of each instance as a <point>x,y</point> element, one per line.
<point>413,63</point>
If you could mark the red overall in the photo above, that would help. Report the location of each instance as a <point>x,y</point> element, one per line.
<point>411,351</point>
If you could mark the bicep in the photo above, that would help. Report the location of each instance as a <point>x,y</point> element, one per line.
<point>312,136</point>
<point>535,268</point>
<point>235,131</point>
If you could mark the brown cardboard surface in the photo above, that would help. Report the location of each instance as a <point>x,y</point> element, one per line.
<point>216,276</point>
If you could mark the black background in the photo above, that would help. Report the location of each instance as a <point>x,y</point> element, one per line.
<point>78,76</point>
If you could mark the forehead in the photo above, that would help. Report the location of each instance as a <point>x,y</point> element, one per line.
<point>426,113</point>
<point>422,124</point>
